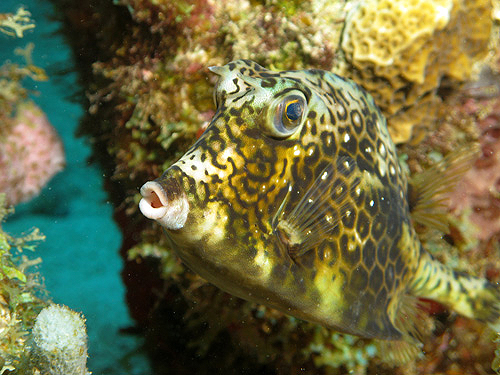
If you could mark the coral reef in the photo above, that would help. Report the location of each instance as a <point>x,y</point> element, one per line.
<point>149,94</point>
<point>468,116</point>
<point>31,153</point>
<point>30,150</point>
<point>20,294</point>
<point>401,51</point>
<point>59,342</point>
<point>20,300</point>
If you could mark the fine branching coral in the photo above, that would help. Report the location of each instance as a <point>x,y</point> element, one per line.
<point>16,24</point>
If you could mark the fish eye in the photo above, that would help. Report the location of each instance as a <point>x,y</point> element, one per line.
<point>288,115</point>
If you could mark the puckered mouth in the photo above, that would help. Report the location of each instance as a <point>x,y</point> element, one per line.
<point>155,205</point>
<point>154,201</point>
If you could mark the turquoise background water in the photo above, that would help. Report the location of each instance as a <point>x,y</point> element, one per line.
<point>81,265</point>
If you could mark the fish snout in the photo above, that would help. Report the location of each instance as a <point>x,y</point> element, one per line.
<point>165,203</point>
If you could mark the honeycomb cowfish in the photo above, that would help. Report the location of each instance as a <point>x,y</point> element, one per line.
<point>294,197</point>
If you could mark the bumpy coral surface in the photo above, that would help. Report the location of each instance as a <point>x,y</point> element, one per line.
<point>31,153</point>
<point>59,343</point>
<point>401,51</point>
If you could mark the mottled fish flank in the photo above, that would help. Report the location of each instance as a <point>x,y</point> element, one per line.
<point>294,198</point>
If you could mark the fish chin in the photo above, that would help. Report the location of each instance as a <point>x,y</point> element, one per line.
<point>170,213</point>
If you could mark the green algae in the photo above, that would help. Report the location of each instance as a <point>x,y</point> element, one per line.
<point>20,292</point>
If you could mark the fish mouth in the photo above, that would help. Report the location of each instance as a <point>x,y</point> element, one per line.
<point>155,204</point>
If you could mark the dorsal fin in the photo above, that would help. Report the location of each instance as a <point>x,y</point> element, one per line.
<point>319,210</point>
<point>426,189</point>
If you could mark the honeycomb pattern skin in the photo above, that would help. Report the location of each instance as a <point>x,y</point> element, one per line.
<point>349,265</point>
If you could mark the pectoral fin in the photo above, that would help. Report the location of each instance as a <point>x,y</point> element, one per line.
<point>301,227</point>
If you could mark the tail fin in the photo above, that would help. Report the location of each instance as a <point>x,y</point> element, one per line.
<point>469,296</point>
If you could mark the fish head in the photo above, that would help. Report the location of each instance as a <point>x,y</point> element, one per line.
<point>218,201</point>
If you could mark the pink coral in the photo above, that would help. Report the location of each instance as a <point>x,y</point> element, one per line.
<point>480,187</point>
<point>31,153</point>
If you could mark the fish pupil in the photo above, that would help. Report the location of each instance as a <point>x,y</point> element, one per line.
<point>293,110</point>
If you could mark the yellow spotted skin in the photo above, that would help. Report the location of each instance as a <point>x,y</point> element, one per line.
<point>241,177</point>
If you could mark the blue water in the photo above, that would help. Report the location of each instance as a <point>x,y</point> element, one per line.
<point>81,265</point>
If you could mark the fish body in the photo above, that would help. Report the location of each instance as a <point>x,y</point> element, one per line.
<point>294,197</point>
